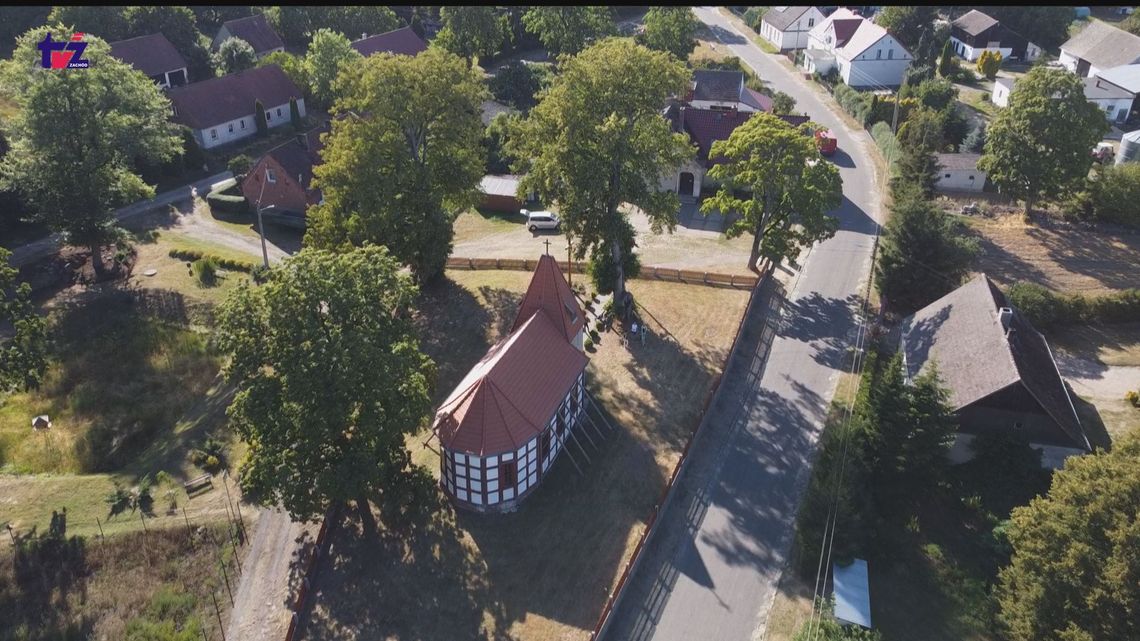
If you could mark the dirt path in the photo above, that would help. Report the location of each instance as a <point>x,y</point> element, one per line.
<point>268,577</point>
<point>200,225</point>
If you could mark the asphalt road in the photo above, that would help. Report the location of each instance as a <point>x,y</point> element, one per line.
<point>712,569</point>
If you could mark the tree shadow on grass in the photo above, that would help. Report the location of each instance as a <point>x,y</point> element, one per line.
<point>1001,264</point>
<point>1110,260</point>
<point>453,331</point>
<point>504,305</point>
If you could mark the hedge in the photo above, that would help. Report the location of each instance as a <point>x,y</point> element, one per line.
<point>224,263</point>
<point>885,139</point>
<point>1046,308</point>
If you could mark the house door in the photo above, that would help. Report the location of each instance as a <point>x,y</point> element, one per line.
<point>1083,68</point>
<point>686,184</point>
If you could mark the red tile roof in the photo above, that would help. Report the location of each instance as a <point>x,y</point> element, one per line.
<point>550,293</point>
<point>706,126</point>
<point>153,54</point>
<point>403,42</point>
<point>256,31</point>
<point>299,159</point>
<point>510,395</point>
<point>219,100</point>
<point>756,100</point>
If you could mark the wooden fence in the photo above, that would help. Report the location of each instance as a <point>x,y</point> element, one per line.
<point>712,279</point>
<point>298,602</point>
<point>667,491</point>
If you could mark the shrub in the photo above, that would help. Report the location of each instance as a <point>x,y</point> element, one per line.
<point>885,139</point>
<point>223,263</point>
<point>240,164</point>
<point>594,334</point>
<point>1133,398</point>
<point>1045,308</point>
<point>260,273</point>
<point>753,16</point>
<point>227,203</point>
<point>205,271</point>
<point>1115,195</point>
<point>588,343</point>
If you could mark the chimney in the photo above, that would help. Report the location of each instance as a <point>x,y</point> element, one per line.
<point>1005,315</point>
<point>363,35</point>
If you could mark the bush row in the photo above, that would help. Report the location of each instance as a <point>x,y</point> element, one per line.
<point>869,108</point>
<point>1046,308</point>
<point>885,139</point>
<point>227,203</point>
<point>225,263</point>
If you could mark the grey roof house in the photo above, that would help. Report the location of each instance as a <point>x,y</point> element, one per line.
<point>223,110</point>
<point>401,42</point>
<point>999,370</point>
<point>154,56</point>
<point>1099,47</point>
<point>255,30</point>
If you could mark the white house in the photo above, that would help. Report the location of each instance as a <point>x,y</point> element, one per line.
<point>223,110</point>
<point>1002,89</point>
<point>1125,77</point>
<point>724,91</point>
<point>787,28</point>
<point>1099,47</point>
<point>865,54</point>
<point>959,172</point>
<point>253,29</point>
<point>975,32</point>
<point>1115,101</point>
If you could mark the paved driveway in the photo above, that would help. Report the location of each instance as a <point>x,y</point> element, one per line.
<point>712,569</point>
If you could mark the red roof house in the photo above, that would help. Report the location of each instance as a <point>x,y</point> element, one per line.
<point>506,422</point>
<point>281,180</point>
<point>402,42</point>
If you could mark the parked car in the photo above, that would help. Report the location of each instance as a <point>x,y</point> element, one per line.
<point>1103,152</point>
<point>536,220</point>
<point>827,142</point>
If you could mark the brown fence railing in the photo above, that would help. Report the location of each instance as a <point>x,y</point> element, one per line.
<point>298,601</point>
<point>688,276</point>
<point>666,492</point>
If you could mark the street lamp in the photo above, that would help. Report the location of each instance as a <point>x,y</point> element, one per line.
<point>260,225</point>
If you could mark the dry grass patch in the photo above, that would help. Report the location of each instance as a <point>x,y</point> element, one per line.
<point>1068,260</point>
<point>1113,345</point>
<point>474,224</point>
<point>790,609</point>
<point>543,572</point>
<point>105,586</point>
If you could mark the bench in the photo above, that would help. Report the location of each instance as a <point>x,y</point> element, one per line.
<point>206,480</point>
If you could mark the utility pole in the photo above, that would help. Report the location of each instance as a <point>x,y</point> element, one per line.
<point>260,226</point>
<point>569,262</point>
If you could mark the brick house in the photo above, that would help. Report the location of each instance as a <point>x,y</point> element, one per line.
<point>282,178</point>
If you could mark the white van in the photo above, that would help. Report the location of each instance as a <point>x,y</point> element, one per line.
<point>536,220</point>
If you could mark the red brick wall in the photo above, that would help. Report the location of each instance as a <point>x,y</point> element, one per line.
<point>286,193</point>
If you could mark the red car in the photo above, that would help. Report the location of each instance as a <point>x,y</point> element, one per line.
<point>826,141</point>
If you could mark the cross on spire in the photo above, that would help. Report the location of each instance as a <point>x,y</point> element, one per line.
<point>547,243</point>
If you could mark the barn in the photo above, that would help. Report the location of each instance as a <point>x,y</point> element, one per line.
<point>501,429</point>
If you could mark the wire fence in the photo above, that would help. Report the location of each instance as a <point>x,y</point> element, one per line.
<point>226,538</point>
<point>687,276</point>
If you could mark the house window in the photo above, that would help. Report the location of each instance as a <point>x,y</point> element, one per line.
<point>231,126</point>
<point>890,54</point>
<point>811,22</point>
<point>878,54</point>
<point>508,475</point>
<point>544,446</point>
<point>270,176</point>
<point>213,134</point>
<point>279,112</point>
<point>242,123</point>
<point>268,116</point>
<point>971,177</point>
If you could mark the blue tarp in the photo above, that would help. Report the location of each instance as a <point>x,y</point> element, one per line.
<point>852,594</point>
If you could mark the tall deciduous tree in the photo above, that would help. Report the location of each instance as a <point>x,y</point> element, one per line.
<point>178,24</point>
<point>568,29</point>
<point>74,176</point>
<point>922,253</point>
<point>407,160</point>
<point>791,189</point>
<point>671,29</point>
<point>1039,146</point>
<point>328,53</point>
<point>470,31</point>
<point>1073,575</point>
<point>1044,25</point>
<point>296,24</point>
<point>907,23</point>
<point>23,354</point>
<point>103,22</point>
<point>597,139</point>
<point>321,433</point>
<point>234,55</point>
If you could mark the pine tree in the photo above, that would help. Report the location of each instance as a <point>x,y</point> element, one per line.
<point>295,115</point>
<point>976,139</point>
<point>262,125</point>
